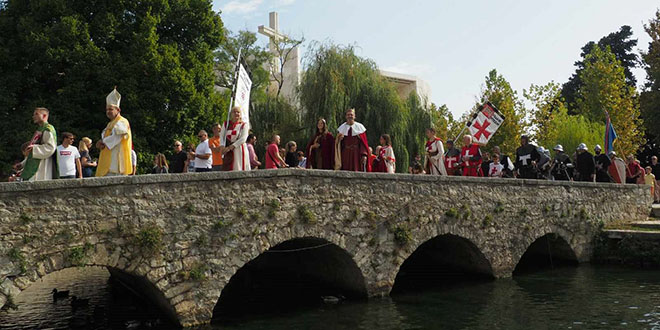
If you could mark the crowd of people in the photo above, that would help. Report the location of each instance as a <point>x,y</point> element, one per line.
<point>231,148</point>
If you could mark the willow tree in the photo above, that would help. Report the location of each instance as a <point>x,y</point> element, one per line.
<point>605,89</point>
<point>67,55</point>
<point>336,79</point>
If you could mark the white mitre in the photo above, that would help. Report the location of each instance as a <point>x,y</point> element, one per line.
<point>113,98</point>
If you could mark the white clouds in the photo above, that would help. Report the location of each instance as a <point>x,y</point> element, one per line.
<point>241,7</point>
<point>244,7</point>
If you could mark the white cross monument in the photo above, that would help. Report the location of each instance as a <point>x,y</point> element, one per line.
<point>291,67</point>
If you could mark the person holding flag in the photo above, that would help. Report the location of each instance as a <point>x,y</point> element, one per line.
<point>116,141</point>
<point>234,149</point>
<point>471,157</point>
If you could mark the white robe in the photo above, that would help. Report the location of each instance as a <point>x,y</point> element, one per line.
<point>44,151</point>
<point>113,142</point>
<point>238,140</point>
<point>437,162</point>
<point>389,159</point>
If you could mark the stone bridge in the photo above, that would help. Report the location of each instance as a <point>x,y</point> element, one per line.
<point>191,242</point>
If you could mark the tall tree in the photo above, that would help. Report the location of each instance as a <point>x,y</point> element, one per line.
<point>623,47</point>
<point>605,89</point>
<point>650,97</point>
<point>256,57</point>
<point>499,92</point>
<point>67,55</point>
<point>546,102</point>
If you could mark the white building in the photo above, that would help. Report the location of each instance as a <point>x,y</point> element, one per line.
<point>405,84</point>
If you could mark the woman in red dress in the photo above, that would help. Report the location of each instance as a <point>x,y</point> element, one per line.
<point>321,148</point>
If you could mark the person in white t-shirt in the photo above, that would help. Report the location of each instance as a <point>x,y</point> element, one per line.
<point>68,158</point>
<point>134,162</point>
<point>203,153</point>
<point>495,168</point>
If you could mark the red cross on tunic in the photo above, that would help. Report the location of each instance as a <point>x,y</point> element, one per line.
<point>481,129</point>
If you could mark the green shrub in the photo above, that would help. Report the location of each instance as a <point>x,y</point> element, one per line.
<point>402,235</point>
<point>150,239</point>
<point>452,213</point>
<point>306,215</point>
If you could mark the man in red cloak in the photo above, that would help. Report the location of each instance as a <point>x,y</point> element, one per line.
<point>352,147</point>
<point>470,157</point>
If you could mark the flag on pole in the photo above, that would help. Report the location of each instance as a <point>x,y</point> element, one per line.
<point>485,123</point>
<point>242,95</point>
<point>610,134</point>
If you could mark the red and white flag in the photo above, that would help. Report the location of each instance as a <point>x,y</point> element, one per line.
<point>485,123</point>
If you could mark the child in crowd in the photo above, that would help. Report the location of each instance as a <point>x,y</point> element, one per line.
<point>649,179</point>
<point>302,160</point>
<point>18,166</point>
<point>495,168</point>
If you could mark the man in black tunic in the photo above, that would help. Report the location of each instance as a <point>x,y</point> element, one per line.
<point>526,158</point>
<point>602,165</point>
<point>561,166</point>
<point>585,165</point>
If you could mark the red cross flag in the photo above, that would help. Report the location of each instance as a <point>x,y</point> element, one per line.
<point>485,123</point>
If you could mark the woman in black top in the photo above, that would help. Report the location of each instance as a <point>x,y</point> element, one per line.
<point>87,163</point>
<point>291,158</point>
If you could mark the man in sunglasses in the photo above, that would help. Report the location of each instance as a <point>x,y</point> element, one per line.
<point>203,153</point>
<point>68,158</point>
<point>179,162</point>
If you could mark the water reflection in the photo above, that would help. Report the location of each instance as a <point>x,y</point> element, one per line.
<point>586,297</point>
<point>110,306</point>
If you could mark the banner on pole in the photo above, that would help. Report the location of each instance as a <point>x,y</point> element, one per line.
<point>242,96</point>
<point>485,123</point>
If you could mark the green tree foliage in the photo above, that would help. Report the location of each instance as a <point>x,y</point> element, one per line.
<point>546,102</point>
<point>336,79</point>
<point>254,56</point>
<point>623,47</point>
<point>499,92</point>
<point>650,97</point>
<point>277,116</point>
<point>570,130</point>
<point>605,88</point>
<point>67,55</point>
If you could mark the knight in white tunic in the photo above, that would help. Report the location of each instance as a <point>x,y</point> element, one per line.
<point>236,156</point>
<point>435,154</point>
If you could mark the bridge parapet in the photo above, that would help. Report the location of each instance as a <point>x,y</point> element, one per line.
<point>184,236</point>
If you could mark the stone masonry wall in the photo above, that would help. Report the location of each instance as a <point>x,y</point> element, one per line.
<point>187,234</point>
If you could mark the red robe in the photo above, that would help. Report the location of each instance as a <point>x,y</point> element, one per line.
<point>471,167</point>
<point>353,148</point>
<point>322,157</point>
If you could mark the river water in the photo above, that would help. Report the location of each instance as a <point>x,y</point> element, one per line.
<point>585,297</point>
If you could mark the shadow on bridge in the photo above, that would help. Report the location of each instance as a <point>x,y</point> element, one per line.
<point>547,252</point>
<point>298,273</point>
<point>443,261</point>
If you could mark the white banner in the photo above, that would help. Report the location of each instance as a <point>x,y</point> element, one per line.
<point>242,98</point>
<point>485,123</point>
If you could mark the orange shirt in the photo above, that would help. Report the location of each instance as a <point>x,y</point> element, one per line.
<point>217,156</point>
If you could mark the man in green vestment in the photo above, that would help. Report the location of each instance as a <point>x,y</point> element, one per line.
<point>41,164</point>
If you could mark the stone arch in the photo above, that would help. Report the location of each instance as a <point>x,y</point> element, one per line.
<point>548,247</point>
<point>441,258</point>
<point>138,274</point>
<point>304,268</point>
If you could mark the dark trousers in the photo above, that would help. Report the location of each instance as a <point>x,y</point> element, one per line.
<point>67,176</point>
<point>526,173</point>
<point>199,169</point>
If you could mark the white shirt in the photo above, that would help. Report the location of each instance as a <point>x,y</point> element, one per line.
<point>203,149</point>
<point>495,170</point>
<point>66,159</point>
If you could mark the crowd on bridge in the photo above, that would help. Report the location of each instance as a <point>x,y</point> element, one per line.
<point>231,148</point>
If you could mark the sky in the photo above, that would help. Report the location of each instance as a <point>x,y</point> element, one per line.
<point>452,45</point>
